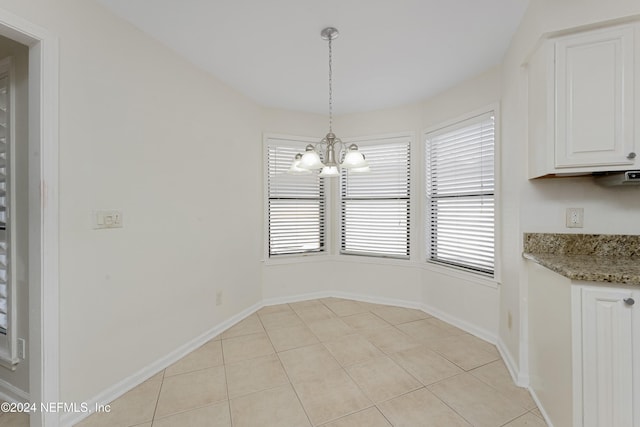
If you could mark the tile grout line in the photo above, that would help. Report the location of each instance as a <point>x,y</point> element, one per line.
<point>287,374</point>
<point>383,415</point>
<point>458,365</point>
<point>498,391</point>
<point>445,379</point>
<point>401,395</point>
<point>384,355</point>
<point>513,419</point>
<point>164,377</point>
<point>184,411</point>
<point>155,409</point>
<point>451,407</point>
<point>192,371</point>
<point>444,402</point>
<point>461,415</point>
<point>358,332</point>
<point>532,411</point>
<point>353,413</point>
<point>404,394</point>
<point>374,404</point>
<point>226,382</point>
<point>345,371</point>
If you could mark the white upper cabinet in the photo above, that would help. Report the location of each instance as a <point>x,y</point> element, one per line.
<point>584,102</point>
<point>594,98</point>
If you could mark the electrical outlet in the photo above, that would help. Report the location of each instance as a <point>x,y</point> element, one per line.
<point>219,298</point>
<point>575,217</point>
<point>509,320</point>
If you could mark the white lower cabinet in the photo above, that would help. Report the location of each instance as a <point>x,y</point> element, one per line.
<point>606,356</point>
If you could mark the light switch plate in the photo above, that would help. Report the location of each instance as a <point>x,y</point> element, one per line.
<point>107,219</point>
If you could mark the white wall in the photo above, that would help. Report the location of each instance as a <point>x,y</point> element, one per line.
<point>144,131</point>
<point>460,297</point>
<point>551,376</point>
<point>294,123</point>
<point>20,58</point>
<point>440,293</point>
<point>402,282</point>
<point>538,206</point>
<point>379,280</point>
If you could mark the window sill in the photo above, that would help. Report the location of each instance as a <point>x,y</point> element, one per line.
<point>8,362</point>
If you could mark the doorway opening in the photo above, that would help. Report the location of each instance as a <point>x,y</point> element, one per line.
<point>42,217</point>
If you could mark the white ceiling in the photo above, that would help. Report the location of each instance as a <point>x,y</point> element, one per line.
<point>389,53</point>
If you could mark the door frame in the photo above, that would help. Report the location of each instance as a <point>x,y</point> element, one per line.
<point>43,212</point>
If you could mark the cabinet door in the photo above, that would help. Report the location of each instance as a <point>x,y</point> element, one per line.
<point>608,357</point>
<point>594,75</point>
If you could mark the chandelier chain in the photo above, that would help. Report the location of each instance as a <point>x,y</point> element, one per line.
<point>330,88</point>
<point>330,154</point>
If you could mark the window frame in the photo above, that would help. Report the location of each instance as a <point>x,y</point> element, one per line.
<point>450,269</point>
<point>301,142</point>
<point>381,139</point>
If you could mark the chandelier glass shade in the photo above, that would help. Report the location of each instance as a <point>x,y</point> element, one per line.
<point>330,154</point>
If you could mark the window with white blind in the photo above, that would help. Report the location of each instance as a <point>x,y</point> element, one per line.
<point>295,203</point>
<point>375,206</point>
<point>460,190</point>
<point>4,202</point>
<point>8,314</point>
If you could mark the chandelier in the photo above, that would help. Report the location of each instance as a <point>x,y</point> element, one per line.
<point>335,154</point>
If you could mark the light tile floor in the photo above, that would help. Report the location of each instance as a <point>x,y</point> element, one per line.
<point>333,363</point>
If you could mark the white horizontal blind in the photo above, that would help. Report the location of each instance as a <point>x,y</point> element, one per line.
<point>461,194</point>
<point>296,211</point>
<point>375,206</point>
<point>4,205</point>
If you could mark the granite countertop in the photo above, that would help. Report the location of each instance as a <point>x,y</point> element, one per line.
<point>589,257</point>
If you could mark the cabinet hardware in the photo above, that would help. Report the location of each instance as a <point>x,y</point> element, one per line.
<point>629,301</point>
<point>631,156</point>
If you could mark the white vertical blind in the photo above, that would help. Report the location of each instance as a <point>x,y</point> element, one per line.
<point>460,186</point>
<point>375,207</point>
<point>296,211</point>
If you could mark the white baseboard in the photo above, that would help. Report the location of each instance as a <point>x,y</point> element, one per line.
<point>430,310</point>
<point>540,407</point>
<point>120,388</point>
<point>520,378</point>
<point>295,298</point>
<point>340,294</point>
<point>12,394</point>
<point>377,300</point>
<point>460,323</point>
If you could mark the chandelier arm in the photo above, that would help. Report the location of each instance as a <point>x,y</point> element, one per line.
<point>341,149</point>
